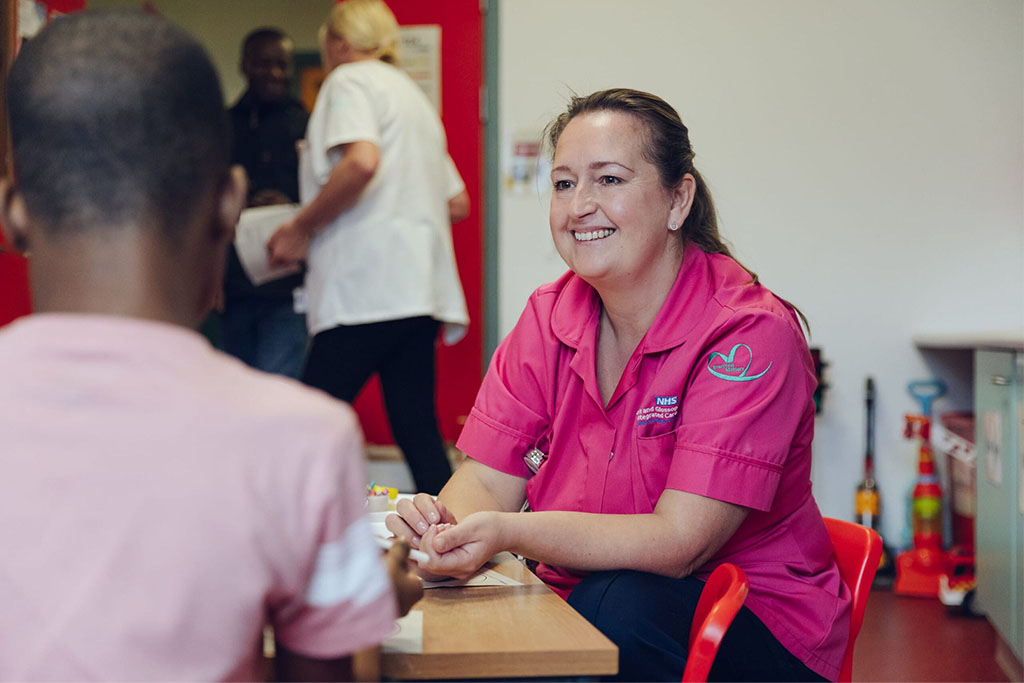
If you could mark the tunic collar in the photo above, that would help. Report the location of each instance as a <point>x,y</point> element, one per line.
<point>577,308</point>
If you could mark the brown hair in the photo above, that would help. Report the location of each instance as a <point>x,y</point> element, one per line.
<point>666,145</point>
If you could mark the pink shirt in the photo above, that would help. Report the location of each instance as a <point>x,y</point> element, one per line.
<point>161,502</point>
<point>716,400</point>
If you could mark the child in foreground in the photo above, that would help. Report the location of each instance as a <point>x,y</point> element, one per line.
<point>162,501</point>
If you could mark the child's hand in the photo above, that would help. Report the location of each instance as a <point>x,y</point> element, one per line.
<point>407,585</point>
<point>416,516</point>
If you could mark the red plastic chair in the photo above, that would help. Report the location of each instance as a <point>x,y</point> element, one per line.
<point>857,550</point>
<point>720,600</point>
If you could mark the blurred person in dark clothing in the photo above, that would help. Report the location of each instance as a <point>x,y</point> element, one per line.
<point>260,325</point>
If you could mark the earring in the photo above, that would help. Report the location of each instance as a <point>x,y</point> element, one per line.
<point>673,226</point>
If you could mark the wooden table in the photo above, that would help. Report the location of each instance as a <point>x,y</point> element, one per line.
<point>503,631</point>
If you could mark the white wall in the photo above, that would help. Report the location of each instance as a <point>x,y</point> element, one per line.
<point>866,159</point>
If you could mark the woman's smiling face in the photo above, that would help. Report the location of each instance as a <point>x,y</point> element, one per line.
<point>609,213</point>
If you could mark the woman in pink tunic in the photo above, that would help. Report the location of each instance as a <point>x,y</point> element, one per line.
<point>654,409</point>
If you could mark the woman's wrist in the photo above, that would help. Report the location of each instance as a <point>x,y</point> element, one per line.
<point>304,225</point>
<point>507,529</point>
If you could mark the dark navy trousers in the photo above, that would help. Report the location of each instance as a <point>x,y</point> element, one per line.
<point>648,617</point>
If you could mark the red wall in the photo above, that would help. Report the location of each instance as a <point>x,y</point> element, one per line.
<point>14,297</point>
<point>14,294</point>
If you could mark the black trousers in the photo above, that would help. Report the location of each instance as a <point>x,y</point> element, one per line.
<point>648,617</point>
<point>341,361</point>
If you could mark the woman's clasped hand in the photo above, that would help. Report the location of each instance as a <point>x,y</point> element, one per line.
<point>456,550</point>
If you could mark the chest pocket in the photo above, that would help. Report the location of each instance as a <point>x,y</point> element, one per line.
<point>654,459</point>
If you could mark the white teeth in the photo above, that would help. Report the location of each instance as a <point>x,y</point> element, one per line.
<point>592,235</point>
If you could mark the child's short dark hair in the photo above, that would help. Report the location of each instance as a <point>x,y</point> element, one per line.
<point>117,118</point>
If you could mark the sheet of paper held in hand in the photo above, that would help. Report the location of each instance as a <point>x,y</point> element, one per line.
<point>255,226</point>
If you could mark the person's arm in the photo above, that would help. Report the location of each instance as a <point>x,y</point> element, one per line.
<point>683,533</point>
<point>336,597</point>
<point>458,207</point>
<point>474,487</point>
<point>407,586</point>
<point>458,197</point>
<point>685,530</point>
<point>348,179</point>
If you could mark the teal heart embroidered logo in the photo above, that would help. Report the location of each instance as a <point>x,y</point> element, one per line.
<point>735,365</point>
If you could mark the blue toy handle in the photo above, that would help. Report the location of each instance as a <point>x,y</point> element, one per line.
<point>926,391</point>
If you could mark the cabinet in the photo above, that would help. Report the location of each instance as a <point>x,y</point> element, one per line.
<point>999,532</point>
<point>998,387</point>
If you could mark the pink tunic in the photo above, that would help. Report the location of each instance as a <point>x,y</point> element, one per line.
<point>716,400</point>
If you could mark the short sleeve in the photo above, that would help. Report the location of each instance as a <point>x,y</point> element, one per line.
<point>512,408</point>
<point>345,602</point>
<point>454,186</point>
<point>343,113</point>
<point>742,409</point>
<point>350,114</point>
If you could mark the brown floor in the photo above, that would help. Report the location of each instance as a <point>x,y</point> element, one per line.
<point>917,639</point>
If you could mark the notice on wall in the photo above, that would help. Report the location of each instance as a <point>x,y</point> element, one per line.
<point>523,166</point>
<point>420,56</point>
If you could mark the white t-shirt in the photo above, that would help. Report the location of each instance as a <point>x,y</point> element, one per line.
<point>161,501</point>
<point>390,256</point>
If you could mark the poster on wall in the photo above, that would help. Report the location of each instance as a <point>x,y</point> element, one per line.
<point>521,174</point>
<point>419,56</point>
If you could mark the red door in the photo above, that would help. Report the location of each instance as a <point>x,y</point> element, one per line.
<point>458,366</point>
<point>14,298</point>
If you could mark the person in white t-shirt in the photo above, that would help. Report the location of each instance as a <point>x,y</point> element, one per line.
<point>380,194</point>
<point>161,501</point>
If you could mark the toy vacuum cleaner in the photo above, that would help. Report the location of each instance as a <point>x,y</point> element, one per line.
<point>868,500</point>
<point>918,570</point>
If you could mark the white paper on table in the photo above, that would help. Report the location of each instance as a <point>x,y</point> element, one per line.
<point>488,577</point>
<point>255,226</point>
<point>408,634</point>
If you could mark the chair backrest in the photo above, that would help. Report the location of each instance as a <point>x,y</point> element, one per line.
<point>857,551</point>
<point>720,600</point>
